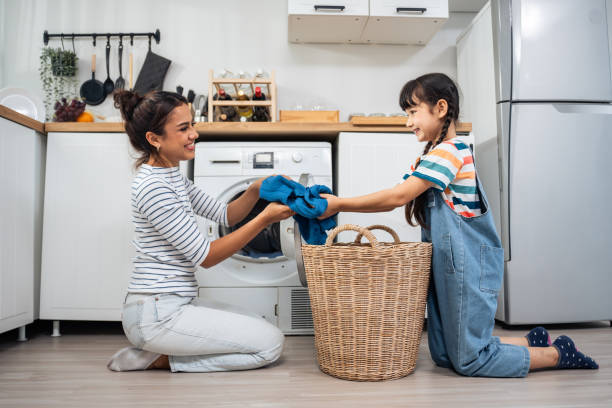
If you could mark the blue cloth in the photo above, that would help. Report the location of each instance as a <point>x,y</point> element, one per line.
<point>305,201</point>
<point>467,269</point>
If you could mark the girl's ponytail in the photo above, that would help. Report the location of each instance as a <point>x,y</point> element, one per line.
<point>429,88</point>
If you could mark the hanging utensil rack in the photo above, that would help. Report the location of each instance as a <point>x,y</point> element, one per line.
<point>47,36</point>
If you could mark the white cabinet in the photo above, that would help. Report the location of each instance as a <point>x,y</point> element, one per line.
<point>369,162</point>
<point>366,21</point>
<point>324,21</point>
<point>87,251</point>
<point>22,154</point>
<point>404,21</point>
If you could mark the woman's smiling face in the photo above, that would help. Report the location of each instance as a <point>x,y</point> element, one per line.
<point>178,143</point>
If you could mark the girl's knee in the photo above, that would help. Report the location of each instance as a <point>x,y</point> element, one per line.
<point>441,360</point>
<point>465,370</point>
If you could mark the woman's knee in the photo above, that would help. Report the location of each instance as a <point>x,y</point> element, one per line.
<point>270,344</point>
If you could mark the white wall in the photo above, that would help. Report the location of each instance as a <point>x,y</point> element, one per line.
<point>198,35</point>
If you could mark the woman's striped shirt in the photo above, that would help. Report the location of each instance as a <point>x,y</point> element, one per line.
<point>169,245</point>
<point>450,167</point>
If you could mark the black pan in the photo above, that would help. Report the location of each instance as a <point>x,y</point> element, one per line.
<point>92,90</point>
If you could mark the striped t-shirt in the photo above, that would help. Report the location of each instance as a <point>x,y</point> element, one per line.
<point>169,245</point>
<point>450,167</point>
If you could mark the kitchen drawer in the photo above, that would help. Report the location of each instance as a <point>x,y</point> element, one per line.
<point>351,7</point>
<point>409,8</point>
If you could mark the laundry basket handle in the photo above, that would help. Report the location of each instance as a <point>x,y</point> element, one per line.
<point>396,238</point>
<point>350,227</point>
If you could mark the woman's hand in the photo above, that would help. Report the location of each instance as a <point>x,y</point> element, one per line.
<point>333,206</point>
<point>275,212</point>
<point>257,184</point>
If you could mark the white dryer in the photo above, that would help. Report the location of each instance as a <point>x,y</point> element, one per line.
<point>262,277</point>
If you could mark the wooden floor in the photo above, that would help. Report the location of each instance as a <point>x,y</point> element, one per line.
<point>70,371</point>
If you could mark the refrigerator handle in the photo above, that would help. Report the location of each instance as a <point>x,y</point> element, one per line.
<point>501,16</point>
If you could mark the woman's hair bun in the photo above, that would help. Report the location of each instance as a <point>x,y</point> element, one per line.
<point>126,102</point>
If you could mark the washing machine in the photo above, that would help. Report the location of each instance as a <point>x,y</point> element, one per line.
<point>263,276</point>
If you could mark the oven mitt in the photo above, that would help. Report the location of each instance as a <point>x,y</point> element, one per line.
<point>305,201</point>
<point>152,74</point>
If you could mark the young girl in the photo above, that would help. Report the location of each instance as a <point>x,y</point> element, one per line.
<point>162,318</point>
<point>443,194</point>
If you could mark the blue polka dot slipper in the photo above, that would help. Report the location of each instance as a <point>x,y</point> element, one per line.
<point>538,337</point>
<point>570,357</point>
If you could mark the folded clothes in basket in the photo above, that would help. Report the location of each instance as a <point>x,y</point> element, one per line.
<point>305,201</point>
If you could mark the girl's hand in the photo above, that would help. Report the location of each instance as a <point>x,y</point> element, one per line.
<point>275,212</point>
<point>333,206</point>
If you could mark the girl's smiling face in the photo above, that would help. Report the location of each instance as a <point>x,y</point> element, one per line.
<point>178,141</point>
<point>426,121</point>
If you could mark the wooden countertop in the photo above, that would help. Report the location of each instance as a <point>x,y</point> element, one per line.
<point>230,130</point>
<point>24,120</point>
<point>225,130</point>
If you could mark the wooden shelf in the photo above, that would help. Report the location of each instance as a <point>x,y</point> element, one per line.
<point>214,84</point>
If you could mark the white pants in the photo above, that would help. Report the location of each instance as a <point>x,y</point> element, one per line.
<point>200,335</point>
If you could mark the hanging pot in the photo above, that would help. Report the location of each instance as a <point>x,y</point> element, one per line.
<point>92,90</point>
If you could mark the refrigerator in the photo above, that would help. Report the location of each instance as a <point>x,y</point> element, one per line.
<point>554,145</point>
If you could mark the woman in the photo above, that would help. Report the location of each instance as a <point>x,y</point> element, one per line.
<point>162,317</point>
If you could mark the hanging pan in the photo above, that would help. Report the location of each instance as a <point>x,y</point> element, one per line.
<point>92,90</point>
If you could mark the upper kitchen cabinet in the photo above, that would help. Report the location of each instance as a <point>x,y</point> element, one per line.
<point>366,22</point>
<point>325,21</point>
<point>404,22</point>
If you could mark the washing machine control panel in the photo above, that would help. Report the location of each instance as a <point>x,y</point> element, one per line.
<point>257,159</point>
<point>263,160</point>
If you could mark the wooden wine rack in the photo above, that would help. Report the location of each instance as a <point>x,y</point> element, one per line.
<point>214,84</point>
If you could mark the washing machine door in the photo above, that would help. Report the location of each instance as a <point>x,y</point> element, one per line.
<point>266,246</point>
<point>278,242</point>
<point>291,239</point>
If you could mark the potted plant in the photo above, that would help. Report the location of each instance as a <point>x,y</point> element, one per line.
<point>57,70</point>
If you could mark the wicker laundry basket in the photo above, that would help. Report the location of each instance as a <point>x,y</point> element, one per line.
<point>368,304</point>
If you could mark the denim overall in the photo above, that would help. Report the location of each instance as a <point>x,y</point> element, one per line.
<point>467,271</point>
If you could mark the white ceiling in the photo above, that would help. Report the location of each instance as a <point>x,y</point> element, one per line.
<point>473,6</point>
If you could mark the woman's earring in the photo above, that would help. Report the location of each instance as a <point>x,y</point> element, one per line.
<point>157,147</point>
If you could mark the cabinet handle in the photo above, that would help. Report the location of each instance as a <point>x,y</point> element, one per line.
<point>418,10</point>
<point>225,161</point>
<point>333,8</point>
